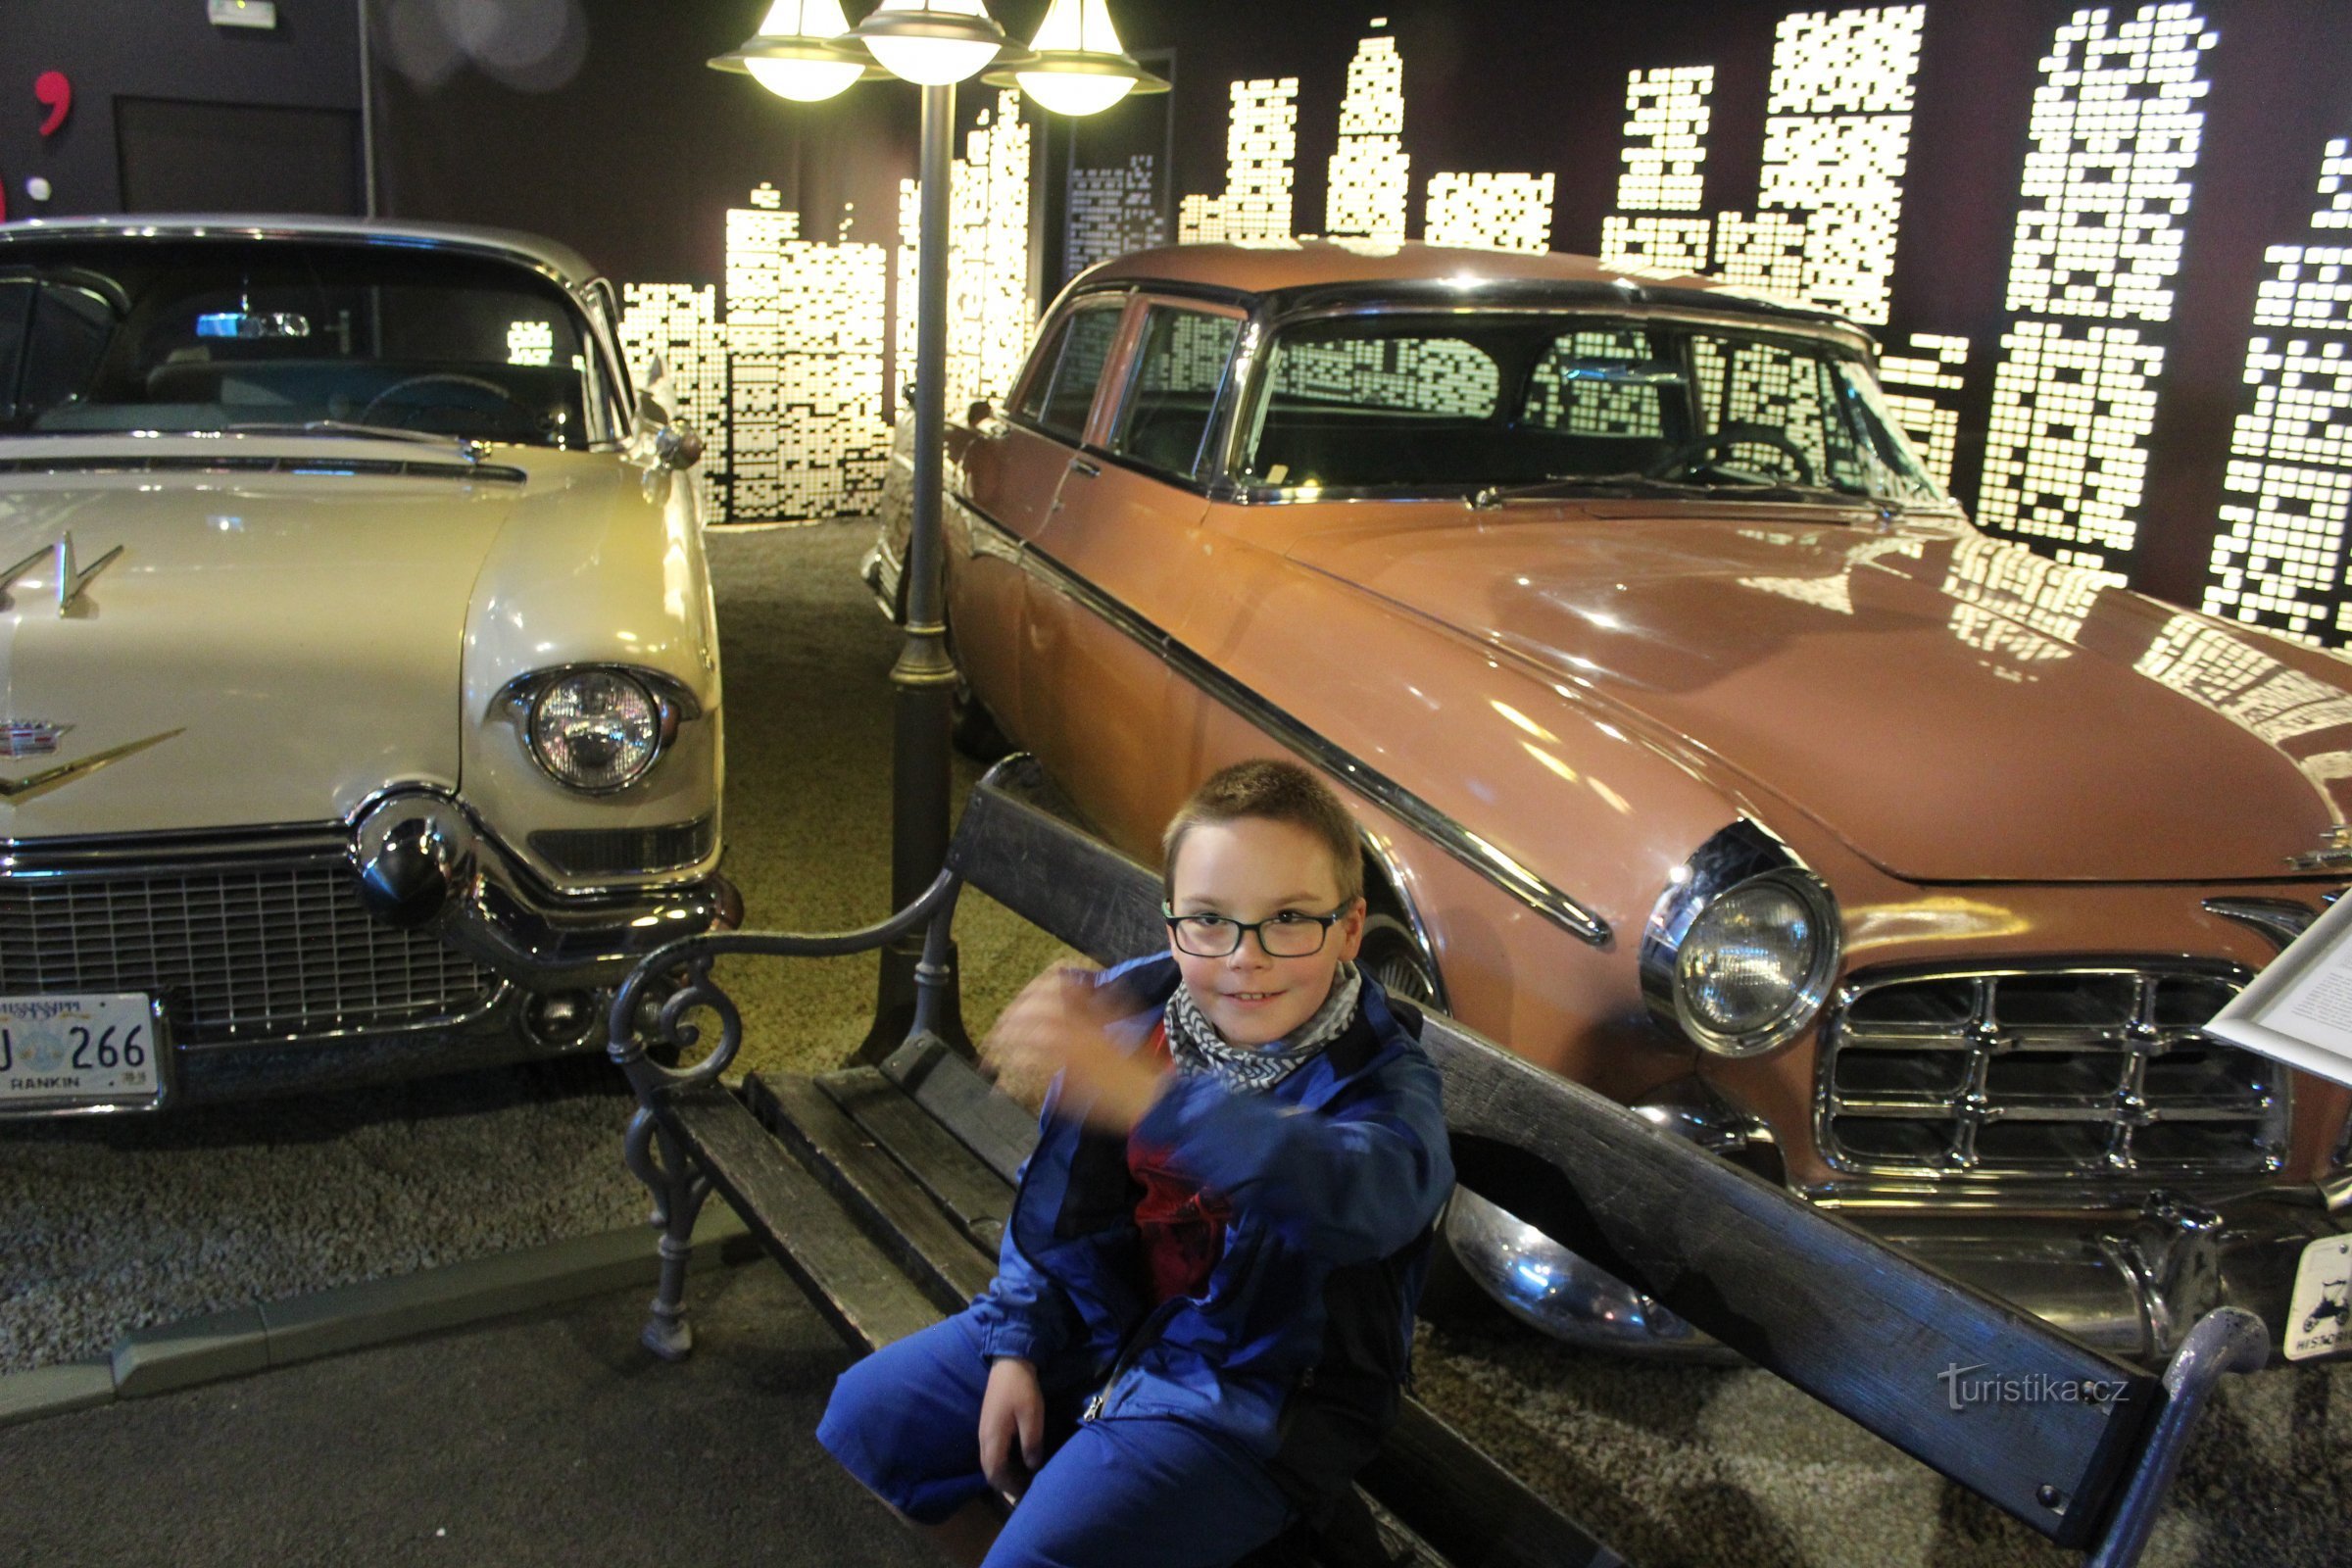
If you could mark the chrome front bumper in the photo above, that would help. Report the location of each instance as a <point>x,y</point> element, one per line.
<point>279,968</point>
<point>2131,1285</point>
<point>879,571</point>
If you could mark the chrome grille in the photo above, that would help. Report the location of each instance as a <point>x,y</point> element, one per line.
<point>2056,1071</point>
<point>241,947</point>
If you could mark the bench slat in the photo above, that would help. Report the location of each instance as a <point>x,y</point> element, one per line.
<point>1012,846</point>
<point>845,1276</point>
<point>890,1205</point>
<point>998,1132</point>
<point>957,1180</point>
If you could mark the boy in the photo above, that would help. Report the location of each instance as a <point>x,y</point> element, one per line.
<point>1204,1299</point>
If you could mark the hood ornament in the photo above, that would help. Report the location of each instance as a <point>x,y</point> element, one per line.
<point>15,790</point>
<point>2333,854</point>
<point>30,737</point>
<point>69,581</point>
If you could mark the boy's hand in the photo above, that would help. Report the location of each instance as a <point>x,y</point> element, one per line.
<point>1012,1427</point>
<point>1060,1023</point>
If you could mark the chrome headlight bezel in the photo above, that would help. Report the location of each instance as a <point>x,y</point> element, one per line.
<point>521,700</point>
<point>1742,856</point>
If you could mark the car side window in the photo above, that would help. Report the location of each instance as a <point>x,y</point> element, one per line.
<point>1030,403</point>
<point>1084,350</point>
<point>1178,375</point>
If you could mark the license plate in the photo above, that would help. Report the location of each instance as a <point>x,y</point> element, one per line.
<point>2319,1316</point>
<point>80,1053</point>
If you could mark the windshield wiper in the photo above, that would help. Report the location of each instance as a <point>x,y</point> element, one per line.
<point>1629,485</point>
<point>391,432</point>
<point>1606,484</point>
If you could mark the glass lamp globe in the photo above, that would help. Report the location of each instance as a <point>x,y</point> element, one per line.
<point>1077,66</point>
<point>932,43</point>
<point>794,55</point>
<point>1068,94</point>
<point>1077,27</point>
<point>806,82</point>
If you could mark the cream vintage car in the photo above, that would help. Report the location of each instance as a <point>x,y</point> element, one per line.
<point>361,676</point>
<point>1703,751</point>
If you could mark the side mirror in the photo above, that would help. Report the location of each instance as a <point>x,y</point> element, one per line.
<point>979,413</point>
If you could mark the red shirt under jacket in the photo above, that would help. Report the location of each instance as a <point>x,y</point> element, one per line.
<point>1182,1223</point>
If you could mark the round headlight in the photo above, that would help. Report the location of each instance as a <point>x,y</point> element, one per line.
<point>1756,963</point>
<point>596,730</point>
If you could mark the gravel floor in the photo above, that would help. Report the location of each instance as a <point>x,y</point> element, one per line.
<point>103,1229</point>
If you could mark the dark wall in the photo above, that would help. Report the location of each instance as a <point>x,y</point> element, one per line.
<point>151,49</point>
<point>630,147</point>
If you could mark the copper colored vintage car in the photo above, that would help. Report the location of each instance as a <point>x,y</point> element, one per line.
<point>1704,751</point>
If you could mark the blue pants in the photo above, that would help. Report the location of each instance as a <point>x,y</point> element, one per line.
<point>1130,1493</point>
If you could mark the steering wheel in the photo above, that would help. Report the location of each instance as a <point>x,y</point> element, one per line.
<point>449,378</point>
<point>1684,457</point>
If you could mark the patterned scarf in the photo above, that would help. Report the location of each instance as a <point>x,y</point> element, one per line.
<point>1198,1048</point>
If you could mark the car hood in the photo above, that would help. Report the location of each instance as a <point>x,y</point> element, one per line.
<point>272,646</point>
<point>1954,708</point>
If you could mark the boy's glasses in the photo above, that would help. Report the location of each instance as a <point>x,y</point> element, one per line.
<point>1288,935</point>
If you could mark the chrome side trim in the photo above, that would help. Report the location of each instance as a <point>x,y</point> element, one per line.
<point>2280,920</point>
<point>1410,907</point>
<point>1481,855</point>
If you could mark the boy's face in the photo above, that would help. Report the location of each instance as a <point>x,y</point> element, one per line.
<point>1252,869</point>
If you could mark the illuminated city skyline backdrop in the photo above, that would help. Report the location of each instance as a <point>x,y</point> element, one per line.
<point>2046,419</point>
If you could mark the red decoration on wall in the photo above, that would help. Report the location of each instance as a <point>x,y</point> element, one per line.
<point>52,89</point>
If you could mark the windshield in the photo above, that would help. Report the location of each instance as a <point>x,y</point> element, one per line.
<point>219,336</point>
<point>1478,402</point>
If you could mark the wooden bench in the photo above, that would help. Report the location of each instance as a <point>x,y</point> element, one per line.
<point>883,1191</point>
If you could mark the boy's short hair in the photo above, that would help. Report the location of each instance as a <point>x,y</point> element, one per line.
<point>1275,791</point>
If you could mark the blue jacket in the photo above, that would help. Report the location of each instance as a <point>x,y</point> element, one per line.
<point>1300,1341</point>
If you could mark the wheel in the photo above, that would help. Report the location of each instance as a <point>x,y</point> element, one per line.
<point>1391,956</point>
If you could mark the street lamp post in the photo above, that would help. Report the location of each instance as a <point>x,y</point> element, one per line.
<point>923,681</point>
<point>805,51</point>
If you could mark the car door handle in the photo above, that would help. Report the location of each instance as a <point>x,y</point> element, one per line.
<point>1080,465</point>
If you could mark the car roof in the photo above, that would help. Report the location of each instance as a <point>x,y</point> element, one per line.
<point>559,262</point>
<point>1303,270</point>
